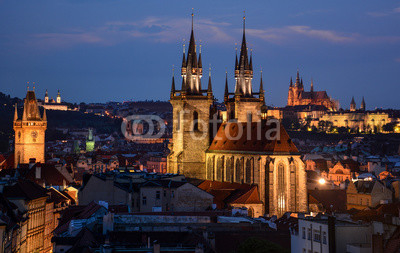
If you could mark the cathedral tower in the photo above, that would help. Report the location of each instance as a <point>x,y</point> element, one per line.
<point>362,106</point>
<point>353,105</point>
<point>244,105</point>
<point>192,107</point>
<point>29,132</point>
<point>58,97</point>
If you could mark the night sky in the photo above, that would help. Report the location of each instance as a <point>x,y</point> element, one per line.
<point>99,50</point>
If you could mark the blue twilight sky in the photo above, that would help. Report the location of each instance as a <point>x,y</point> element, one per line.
<point>103,50</point>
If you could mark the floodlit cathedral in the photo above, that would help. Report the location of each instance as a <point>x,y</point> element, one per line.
<point>297,96</point>
<point>29,131</point>
<point>239,151</point>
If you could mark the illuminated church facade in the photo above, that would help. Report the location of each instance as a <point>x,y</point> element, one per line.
<point>244,147</point>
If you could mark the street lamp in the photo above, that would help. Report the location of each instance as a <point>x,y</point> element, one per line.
<point>321,181</point>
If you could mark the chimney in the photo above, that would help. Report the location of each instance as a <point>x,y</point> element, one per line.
<point>38,173</point>
<point>32,161</point>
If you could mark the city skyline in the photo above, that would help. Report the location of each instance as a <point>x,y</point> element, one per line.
<point>110,54</point>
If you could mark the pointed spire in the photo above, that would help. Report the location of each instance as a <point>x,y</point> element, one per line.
<point>58,93</point>
<point>262,98</point>
<point>200,63</point>
<point>236,60</point>
<point>297,84</point>
<point>362,106</point>
<point>47,94</point>
<point>352,104</point>
<point>209,90</point>
<point>173,83</point>
<point>352,101</point>
<point>251,59</point>
<point>16,112</point>
<point>312,86</point>
<point>226,85</point>
<point>44,115</point>
<point>24,116</point>
<point>244,59</point>
<point>291,82</point>
<point>184,56</point>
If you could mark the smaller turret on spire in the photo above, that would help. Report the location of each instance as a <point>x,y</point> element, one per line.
<point>262,98</point>
<point>173,83</point>
<point>209,90</point>
<point>226,94</point>
<point>16,112</point>
<point>312,86</point>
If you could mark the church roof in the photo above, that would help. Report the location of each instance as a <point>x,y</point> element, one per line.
<point>253,140</point>
<point>250,197</point>
<point>314,95</point>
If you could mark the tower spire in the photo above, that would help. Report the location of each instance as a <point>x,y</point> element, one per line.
<point>262,98</point>
<point>44,115</point>
<point>16,112</point>
<point>226,94</point>
<point>312,86</point>
<point>209,90</point>
<point>362,106</point>
<point>173,82</point>
<point>291,82</point>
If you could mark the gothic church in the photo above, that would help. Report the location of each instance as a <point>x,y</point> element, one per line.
<point>240,151</point>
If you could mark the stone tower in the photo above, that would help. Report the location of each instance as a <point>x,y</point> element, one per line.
<point>244,105</point>
<point>46,97</point>
<point>58,97</point>
<point>362,106</point>
<point>29,132</point>
<point>192,107</point>
<point>352,105</point>
<point>90,141</point>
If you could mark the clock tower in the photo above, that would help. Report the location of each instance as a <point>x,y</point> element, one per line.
<point>29,132</point>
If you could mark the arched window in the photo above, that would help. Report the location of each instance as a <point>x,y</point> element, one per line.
<point>220,168</point>
<point>195,121</point>
<point>239,173</point>
<point>248,171</point>
<point>281,190</point>
<point>210,170</point>
<point>229,169</point>
<point>178,123</point>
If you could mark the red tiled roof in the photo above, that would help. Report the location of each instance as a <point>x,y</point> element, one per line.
<point>255,141</point>
<point>250,197</point>
<point>226,193</point>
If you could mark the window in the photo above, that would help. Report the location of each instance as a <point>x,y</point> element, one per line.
<point>308,234</point>
<point>304,251</point>
<point>317,236</point>
<point>165,193</point>
<point>303,229</point>
<point>158,195</point>
<point>144,200</point>
<point>195,121</point>
<point>173,194</point>
<point>324,237</point>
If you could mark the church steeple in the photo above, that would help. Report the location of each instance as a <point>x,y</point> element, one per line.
<point>192,68</point>
<point>352,105</point>
<point>362,106</point>
<point>291,82</point>
<point>244,69</point>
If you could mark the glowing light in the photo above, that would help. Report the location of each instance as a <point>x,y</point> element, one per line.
<point>322,181</point>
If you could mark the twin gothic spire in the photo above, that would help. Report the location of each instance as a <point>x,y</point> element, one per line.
<point>192,72</point>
